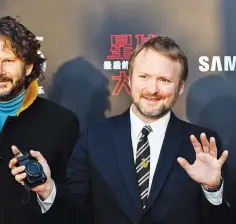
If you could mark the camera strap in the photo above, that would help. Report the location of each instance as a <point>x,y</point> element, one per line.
<point>26,196</point>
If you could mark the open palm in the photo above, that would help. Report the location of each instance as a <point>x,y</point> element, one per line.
<point>206,169</point>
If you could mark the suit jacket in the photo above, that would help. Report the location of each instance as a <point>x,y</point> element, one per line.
<point>101,171</point>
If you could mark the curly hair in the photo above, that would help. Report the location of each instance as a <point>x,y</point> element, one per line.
<point>24,45</point>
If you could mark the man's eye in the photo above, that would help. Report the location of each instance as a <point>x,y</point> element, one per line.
<point>9,61</point>
<point>165,80</point>
<point>143,76</point>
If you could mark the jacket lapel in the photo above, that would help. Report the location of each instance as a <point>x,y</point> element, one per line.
<point>171,144</point>
<point>124,153</point>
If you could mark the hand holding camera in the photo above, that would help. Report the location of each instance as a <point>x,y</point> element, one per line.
<point>33,171</point>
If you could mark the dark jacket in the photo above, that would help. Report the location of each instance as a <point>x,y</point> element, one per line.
<point>39,125</point>
<point>101,168</point>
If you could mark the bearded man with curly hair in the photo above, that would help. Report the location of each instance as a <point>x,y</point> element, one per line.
<point>27,121</point>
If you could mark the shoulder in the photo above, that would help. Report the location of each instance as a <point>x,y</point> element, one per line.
<point>102,128</point>
<point>196,129</point>
<point>53,110</point>
<point>108,122</point>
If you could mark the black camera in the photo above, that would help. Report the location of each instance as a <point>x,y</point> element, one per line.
<point>33,169</point>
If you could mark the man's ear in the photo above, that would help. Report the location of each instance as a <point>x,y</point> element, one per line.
<point>29,69</point>
<point>181,88</point>
<point>130,77</point>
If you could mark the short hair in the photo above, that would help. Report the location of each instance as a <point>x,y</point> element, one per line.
<point>24,45</point>
<point>165,46</point>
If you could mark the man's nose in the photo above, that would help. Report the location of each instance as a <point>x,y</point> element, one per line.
<point>2,70</point>
<point>153,87</point>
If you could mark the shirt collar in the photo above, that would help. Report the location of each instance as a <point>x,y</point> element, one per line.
<point>158,127</point>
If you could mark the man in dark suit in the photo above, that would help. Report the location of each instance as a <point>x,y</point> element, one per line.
<point>135,167</point>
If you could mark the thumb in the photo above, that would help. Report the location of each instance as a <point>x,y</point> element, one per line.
<point>16,151</point>
<point>184,163</point>
<point>223,157</point>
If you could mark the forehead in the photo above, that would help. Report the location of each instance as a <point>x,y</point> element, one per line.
<point>154,63</point>
<point>5,47</point>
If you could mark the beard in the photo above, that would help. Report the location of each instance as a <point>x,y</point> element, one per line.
<point>16,86</point>
<point>152,111</point>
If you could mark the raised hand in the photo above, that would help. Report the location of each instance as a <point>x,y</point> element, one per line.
<point>206,169</point>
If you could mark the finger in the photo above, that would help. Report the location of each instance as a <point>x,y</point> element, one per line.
<point>184,163</point>
<point>16,151</point>
<point>205,143</point>
<point>196,145</point>
<point>223,157</point>
<point>213,148</point>
<point>17,170</point>
<point>202,157</point>
<point>38,156</point>
<point>13,163</point>
<point>20,177</point>
<point>22,182</point>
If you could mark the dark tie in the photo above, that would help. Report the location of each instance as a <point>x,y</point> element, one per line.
<point>143,164</point>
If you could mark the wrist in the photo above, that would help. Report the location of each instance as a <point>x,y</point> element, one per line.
<point>213,188</point>
<point>45,193</point>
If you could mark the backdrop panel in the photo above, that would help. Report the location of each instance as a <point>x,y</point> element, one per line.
<point>87,44</point>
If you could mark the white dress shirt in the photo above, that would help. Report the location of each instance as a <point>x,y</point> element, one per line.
<point>155,139</point>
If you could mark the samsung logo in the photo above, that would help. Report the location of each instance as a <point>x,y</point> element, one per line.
<point>217,63</point>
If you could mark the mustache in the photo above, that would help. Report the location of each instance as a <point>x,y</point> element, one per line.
<point>5,79</point>
<point>154,96</point>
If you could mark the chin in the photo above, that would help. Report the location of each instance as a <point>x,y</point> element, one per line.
<point>152,107</point>
<point>5,92</point>
<point>149,103</point>
<point>149,111</point>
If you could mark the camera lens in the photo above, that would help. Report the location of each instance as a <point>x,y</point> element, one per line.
<point>33,168</point>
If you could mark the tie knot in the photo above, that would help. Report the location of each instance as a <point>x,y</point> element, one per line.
<point>146,130</point>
